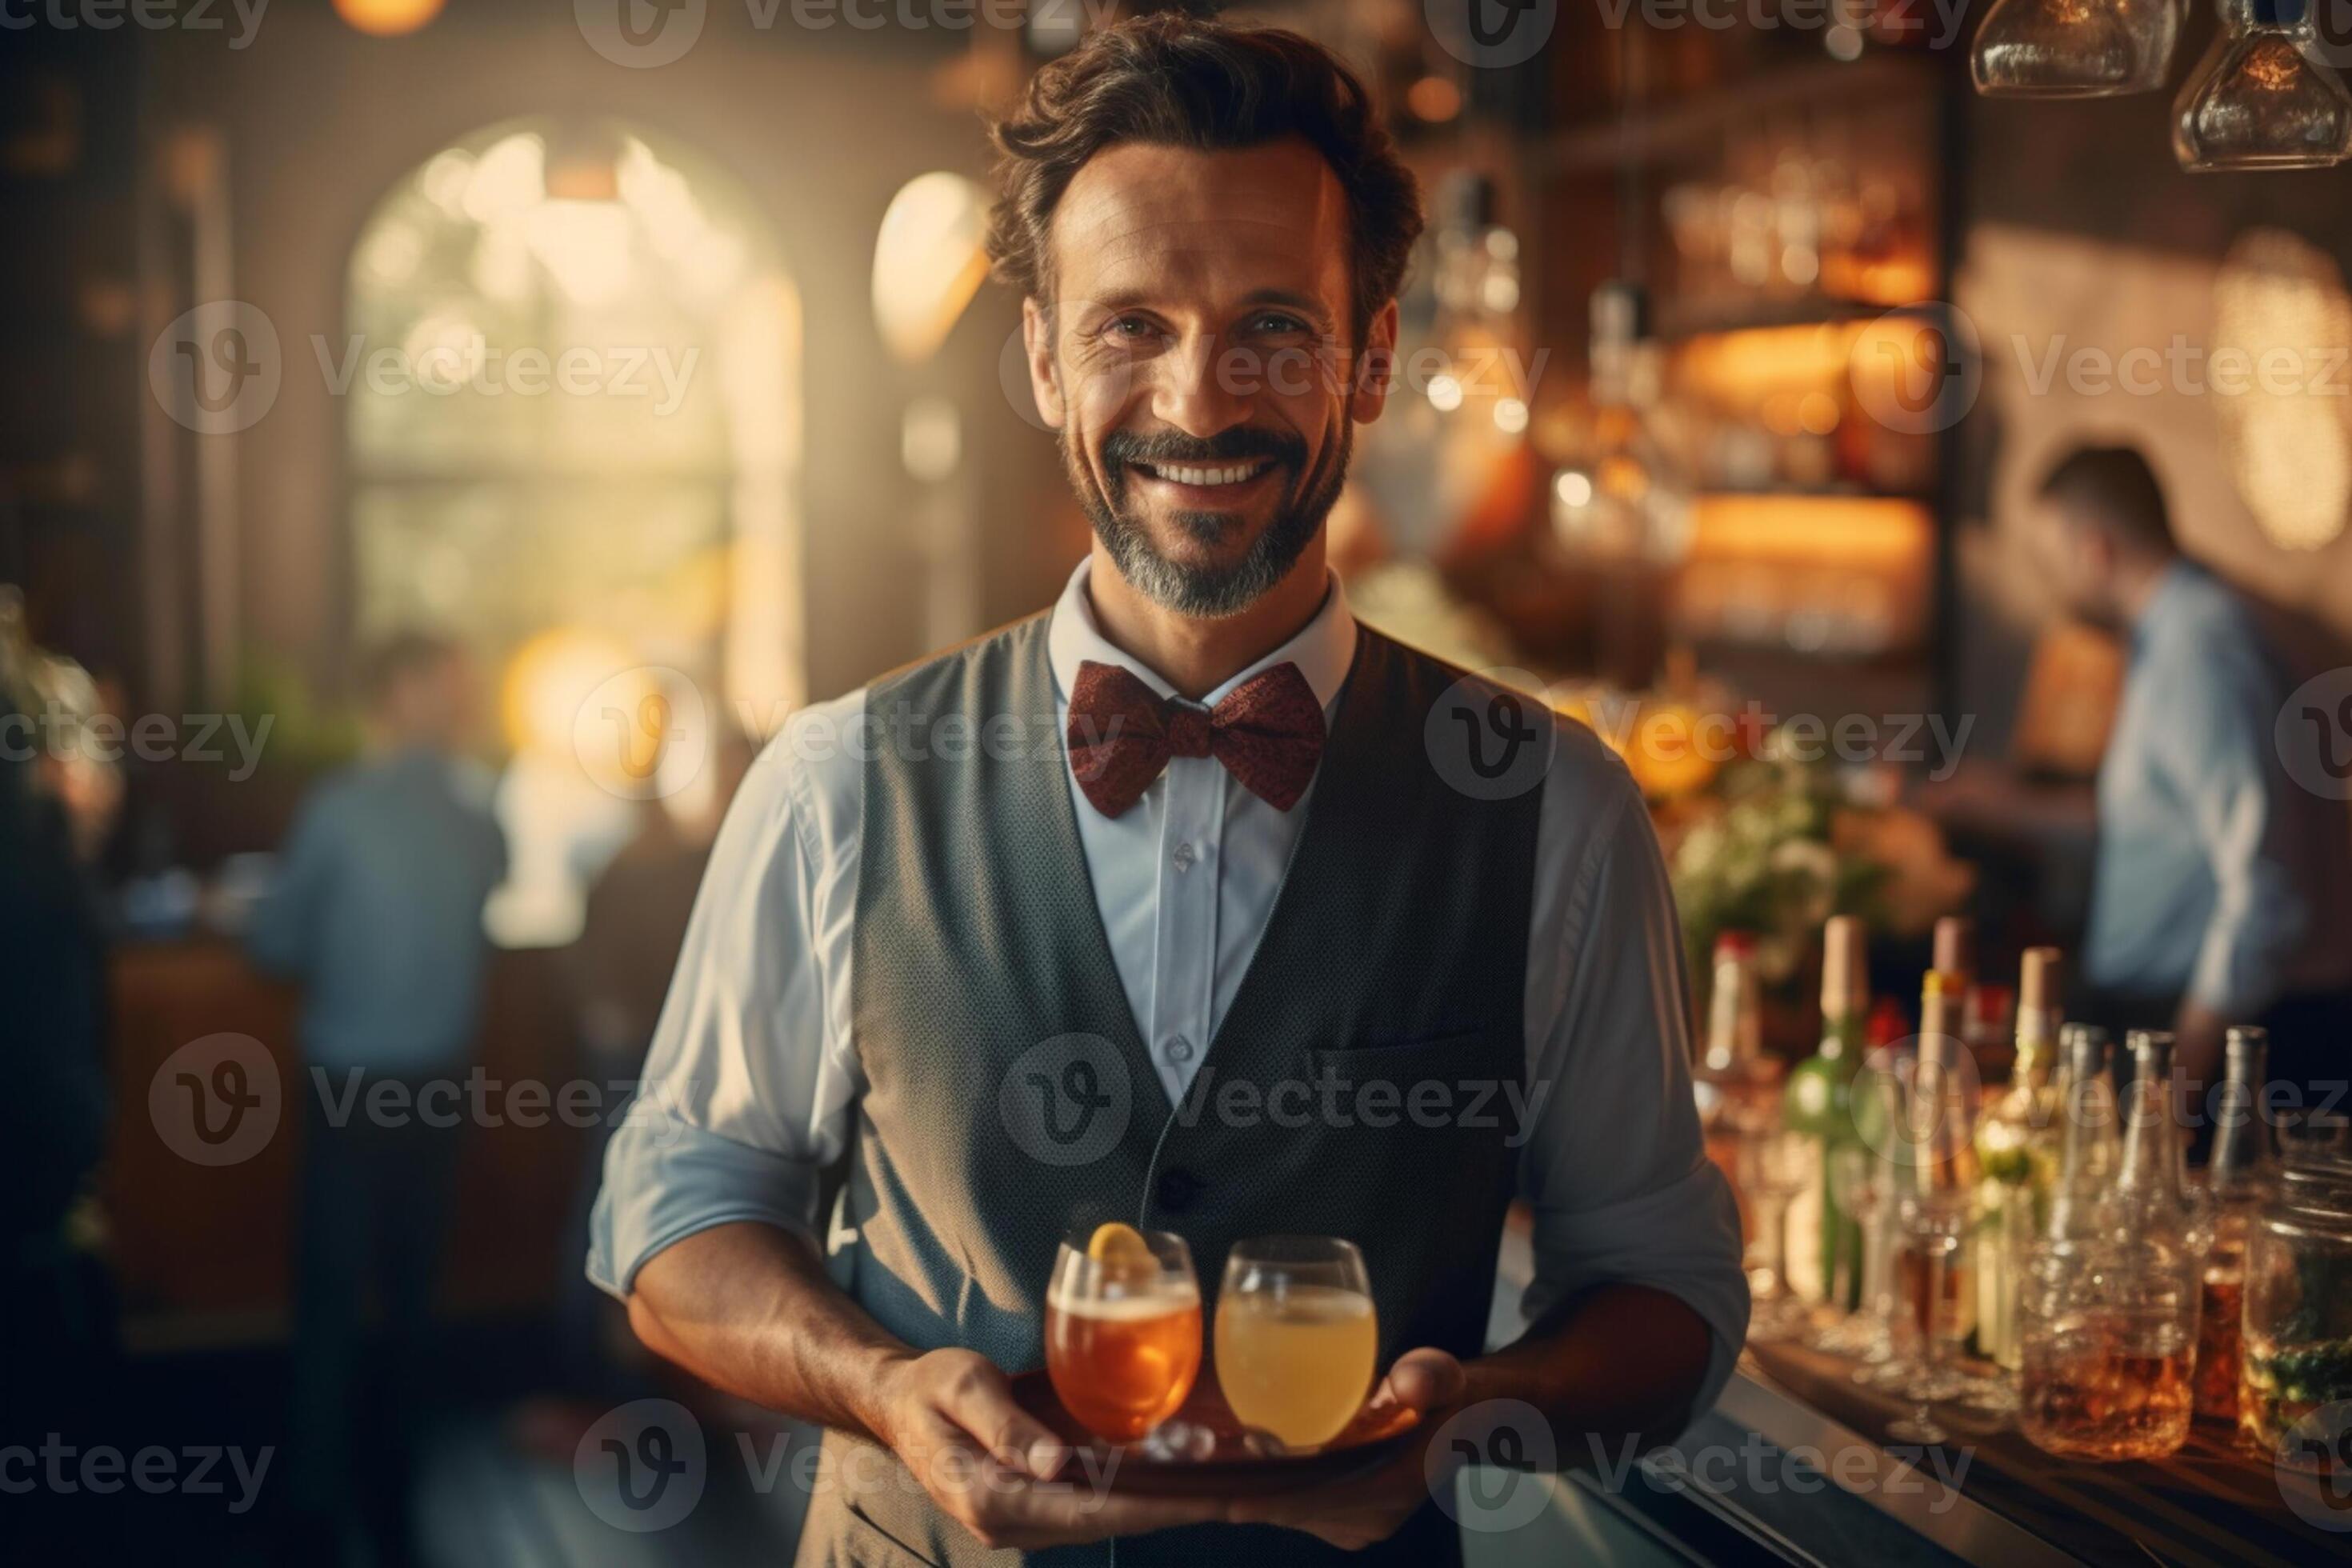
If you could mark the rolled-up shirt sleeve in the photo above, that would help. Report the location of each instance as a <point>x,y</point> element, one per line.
<point>1615,1169</point>
<point>750,1085</point>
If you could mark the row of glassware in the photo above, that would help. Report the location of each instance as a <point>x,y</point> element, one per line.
<point>2266,95</point>
<point>2113,1297</point>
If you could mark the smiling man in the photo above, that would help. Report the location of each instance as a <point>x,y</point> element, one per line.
<point>1295,929</point>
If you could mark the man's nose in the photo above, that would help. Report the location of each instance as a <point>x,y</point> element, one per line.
<point>1200,391</point>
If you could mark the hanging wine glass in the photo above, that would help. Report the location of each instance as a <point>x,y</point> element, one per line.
<point>2075,49</point>
<point>2262,98</point>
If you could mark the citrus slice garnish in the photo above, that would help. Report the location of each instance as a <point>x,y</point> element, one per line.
<point>1121,1251</point>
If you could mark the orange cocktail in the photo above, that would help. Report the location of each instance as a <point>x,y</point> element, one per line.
<point>1123,1330</point>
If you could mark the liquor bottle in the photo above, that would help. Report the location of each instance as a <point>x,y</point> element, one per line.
<point>2240,1179</point>
<point>1938,1065</point>
<point>2087,1144</point>
<point>1955,954</point>
<point>2017,1146</point>
<point>2110,1322</point>
<point>1735,1082</point>
<point>2152,1197</point>
<point>1817,1102</point>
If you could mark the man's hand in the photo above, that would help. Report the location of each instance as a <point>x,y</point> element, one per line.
<point>1366,1508</point>
<point>951,1417</point>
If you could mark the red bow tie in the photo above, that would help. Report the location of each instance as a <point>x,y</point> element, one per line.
<point>1269,732</point>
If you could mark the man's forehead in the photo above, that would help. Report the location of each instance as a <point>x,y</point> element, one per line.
<point>1140,208</point>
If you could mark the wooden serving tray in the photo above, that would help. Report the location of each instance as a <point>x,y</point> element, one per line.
<point>1204,1450</point>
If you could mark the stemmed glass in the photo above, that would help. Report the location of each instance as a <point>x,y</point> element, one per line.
<point>1858,1184</point>
<point>1123,1330</point>
<point>1773,1170</point>
<point>1834,1329</point>
<point>1296,1338</point>
<point>1935,1215</point>
<point>1888,1347</point>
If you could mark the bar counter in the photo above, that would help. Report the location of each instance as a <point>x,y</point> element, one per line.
<point>1793,1463</point>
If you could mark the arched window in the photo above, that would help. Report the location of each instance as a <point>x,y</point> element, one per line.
<point>571,369</point>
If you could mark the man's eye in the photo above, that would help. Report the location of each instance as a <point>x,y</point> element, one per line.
<point>1278,321</point>
<point>1133,329</point>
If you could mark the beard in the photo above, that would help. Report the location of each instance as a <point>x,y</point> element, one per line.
<point>1211,590</point>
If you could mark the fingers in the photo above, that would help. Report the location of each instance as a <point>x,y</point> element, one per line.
<point>979,1400</point>
<point>1005,1508</point>
<point>1423,1379</point>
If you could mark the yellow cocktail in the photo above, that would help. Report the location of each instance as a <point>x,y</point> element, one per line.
<point>1297,1337</point>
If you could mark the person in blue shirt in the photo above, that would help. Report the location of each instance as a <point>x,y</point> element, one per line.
<point>2223,888</point>
<point>376,912</point>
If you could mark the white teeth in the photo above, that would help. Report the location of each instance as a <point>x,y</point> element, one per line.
<point>1185,476</point>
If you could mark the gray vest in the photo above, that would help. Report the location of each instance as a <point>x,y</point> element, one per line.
<point>1353,1090</point>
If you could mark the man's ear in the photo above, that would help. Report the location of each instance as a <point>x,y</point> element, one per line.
<point>1038,343</point>
<point>1375,367</point>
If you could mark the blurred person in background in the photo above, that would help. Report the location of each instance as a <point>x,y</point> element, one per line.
<point>56,806</point>
<point>2223,892</point>
<point>376,912</point>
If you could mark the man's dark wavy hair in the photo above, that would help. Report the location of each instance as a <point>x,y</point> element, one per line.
<point>1177,80</point>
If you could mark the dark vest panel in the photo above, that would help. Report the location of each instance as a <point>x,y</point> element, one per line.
<point>1354,1088</point>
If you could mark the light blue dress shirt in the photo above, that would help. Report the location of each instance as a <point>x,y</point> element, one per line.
<point>2219,878</point>
<point>377,911</point>
<point>751,1084</point>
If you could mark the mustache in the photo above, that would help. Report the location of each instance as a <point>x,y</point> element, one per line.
<point>1121,448</point>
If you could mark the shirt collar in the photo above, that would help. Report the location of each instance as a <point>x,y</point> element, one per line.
<point>1323,649</point>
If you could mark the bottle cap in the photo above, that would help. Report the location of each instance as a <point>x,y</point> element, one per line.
<point>2084,1048</point>
<point>2037,981</point>
<point>1845,967</point>
<point>1955,940</point>
<point>1939,999</point>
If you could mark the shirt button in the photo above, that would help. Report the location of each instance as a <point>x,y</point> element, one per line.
<point>1183,856</point>
<point>1180,1049</point>
<point>1179,1189</point>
